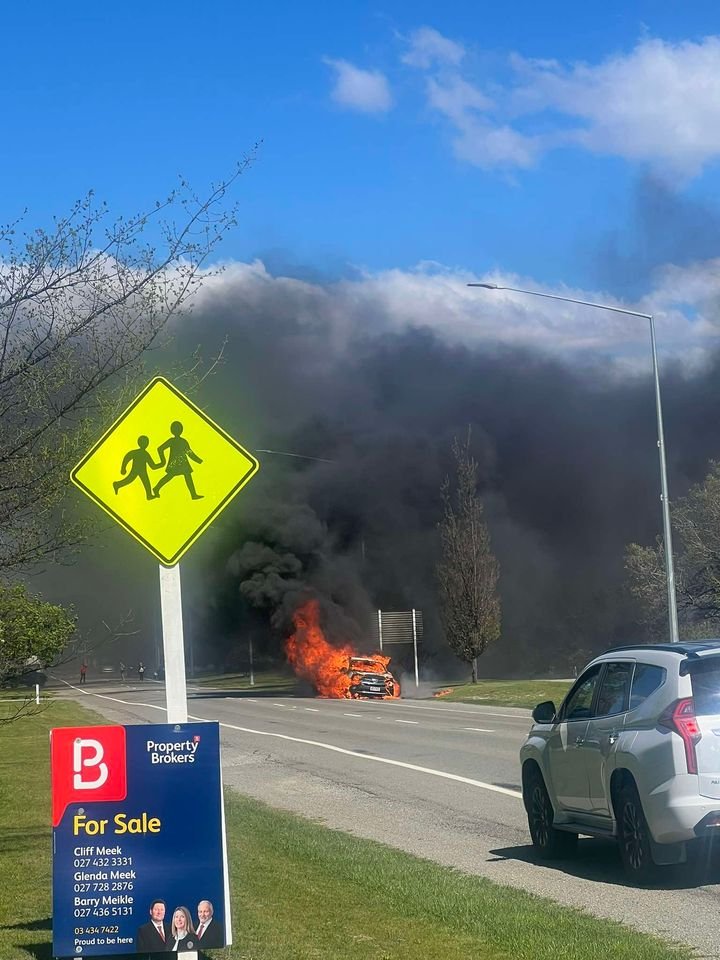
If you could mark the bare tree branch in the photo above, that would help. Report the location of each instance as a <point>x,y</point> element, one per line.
<point>80,305</point>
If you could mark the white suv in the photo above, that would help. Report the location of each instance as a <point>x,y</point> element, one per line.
<point>633,754</point>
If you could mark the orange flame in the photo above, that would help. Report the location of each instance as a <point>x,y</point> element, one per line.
<point>314,658</point>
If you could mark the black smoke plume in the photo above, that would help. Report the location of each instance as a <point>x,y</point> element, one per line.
<point>568,469</point>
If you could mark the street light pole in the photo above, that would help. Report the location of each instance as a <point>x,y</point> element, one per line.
<point>664,497</point>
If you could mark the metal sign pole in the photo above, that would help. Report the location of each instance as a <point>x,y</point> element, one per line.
<point>173,646</point>
<point>252,670</point>
<point>174,651</point>
<point>417,679</point>
<point>380,627</point>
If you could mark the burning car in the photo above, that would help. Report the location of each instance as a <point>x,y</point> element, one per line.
<point>335,670</point>
<point>369,677</point>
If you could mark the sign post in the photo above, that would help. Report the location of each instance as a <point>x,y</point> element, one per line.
<point>173,644</point>
<point>164,471</point>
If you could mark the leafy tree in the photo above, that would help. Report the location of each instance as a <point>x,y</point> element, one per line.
<point>696,540</point>
<point>467,571</point>
<point>33,633</point>
<point>80,304</point>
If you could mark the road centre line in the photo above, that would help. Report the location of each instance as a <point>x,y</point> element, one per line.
<point>375,759</point>
<point>407,721</point>
<point>369,757</point>
<point>405,705</point>
<point>479,729</point>
<point>352,715</point>
<point>312,709</point>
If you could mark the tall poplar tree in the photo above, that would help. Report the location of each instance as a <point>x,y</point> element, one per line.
<point>467,571</point>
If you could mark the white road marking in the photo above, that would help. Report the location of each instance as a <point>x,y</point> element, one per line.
<point>405,705</point>
<point>352,715</point>
<point>369,757</point>
<point>375,759</point>
<point>479,729</point>
<point>312,709</point>
<point>104,696</point>
<point>472,711</point>
<point>407,721</point>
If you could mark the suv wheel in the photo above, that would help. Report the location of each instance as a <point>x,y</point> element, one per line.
<point>550,843</point>
<point>634,837</point>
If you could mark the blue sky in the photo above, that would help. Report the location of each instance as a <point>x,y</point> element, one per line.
<point>515,138</point>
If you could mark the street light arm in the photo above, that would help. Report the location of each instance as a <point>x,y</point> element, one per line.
<point>664,496</point>
<point>554,296</point>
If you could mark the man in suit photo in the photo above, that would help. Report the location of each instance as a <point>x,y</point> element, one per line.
<point>154,936</point>
<point>208,931</point>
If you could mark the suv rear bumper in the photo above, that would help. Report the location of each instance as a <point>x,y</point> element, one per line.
<point>675,810</point>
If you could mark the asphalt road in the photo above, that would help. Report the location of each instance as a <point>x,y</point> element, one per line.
<point>439,780</point>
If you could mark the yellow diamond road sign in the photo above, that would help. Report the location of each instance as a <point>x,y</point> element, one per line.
<point>164,470</point>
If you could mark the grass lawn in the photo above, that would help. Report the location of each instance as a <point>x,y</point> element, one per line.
<point>300,891</point>
<point>266,681</point>
<point>508,693</point>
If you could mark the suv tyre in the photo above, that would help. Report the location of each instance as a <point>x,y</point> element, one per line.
<point>634,837</point>
<point>550,843</point>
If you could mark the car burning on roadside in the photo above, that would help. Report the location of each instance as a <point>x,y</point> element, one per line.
<point>369,677</point>
<point>336,671</point>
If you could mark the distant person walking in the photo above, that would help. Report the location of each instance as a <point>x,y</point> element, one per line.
<point>179,456</point>
<point>122,670</point>
<point>83,673</point>
<point>141,670</point>
<point>140,460</point>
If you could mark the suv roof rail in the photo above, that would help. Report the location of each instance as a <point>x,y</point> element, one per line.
<point>688,648</point>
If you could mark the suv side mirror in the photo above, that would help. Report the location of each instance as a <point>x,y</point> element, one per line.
<point>544,712</point>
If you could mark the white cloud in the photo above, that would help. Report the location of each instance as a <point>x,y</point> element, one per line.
<point>428,47</point>
<point>364,90</point>
<point>436,297</point>
<point>658,104</point>
<point>477,139</point>
<point>455,97</point>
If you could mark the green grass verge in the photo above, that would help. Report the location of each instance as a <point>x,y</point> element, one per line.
<point>301,891</point>
<point>20,693</point>
<point>508,693</point>
<point>265,682</point>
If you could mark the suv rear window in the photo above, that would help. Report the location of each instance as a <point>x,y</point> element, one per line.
<point>705,676</point>
<point>646,680</point>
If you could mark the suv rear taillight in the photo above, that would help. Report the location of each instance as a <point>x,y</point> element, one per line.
<point>680,718</point>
